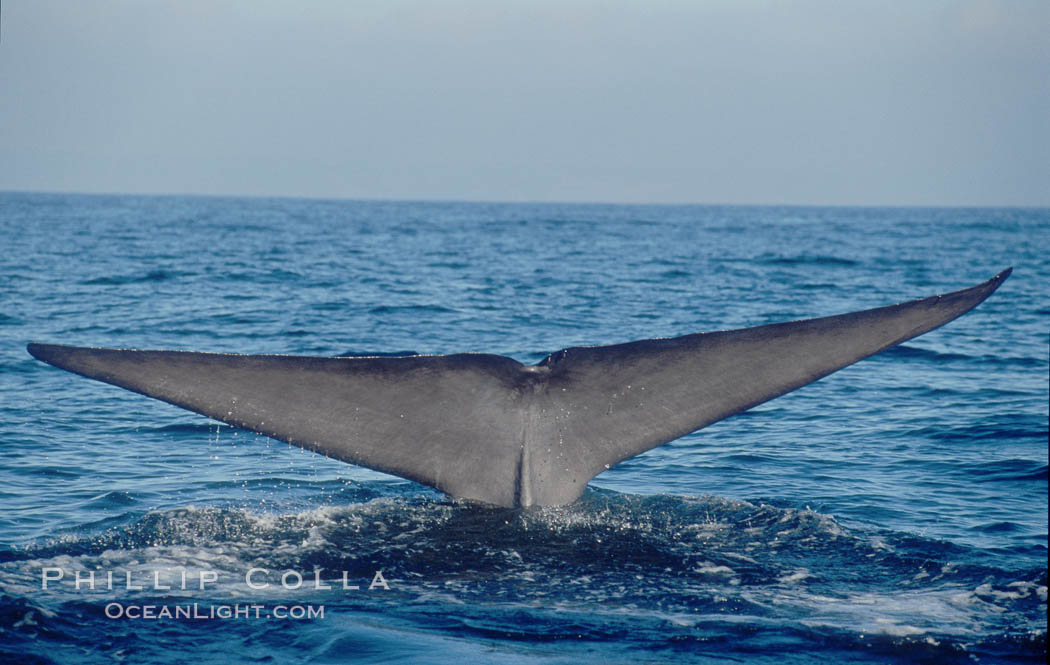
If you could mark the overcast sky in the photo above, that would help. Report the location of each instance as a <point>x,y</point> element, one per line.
<point>811,102</point>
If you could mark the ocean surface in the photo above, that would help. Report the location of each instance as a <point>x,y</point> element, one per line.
<point>894,512</point>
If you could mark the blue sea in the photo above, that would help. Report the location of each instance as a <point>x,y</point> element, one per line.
<point>894,512</point>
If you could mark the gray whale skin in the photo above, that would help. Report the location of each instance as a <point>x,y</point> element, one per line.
<point>487,428</point>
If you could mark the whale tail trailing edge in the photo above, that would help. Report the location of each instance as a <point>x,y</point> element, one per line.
<point>643,394</point>
<point>488,428</point>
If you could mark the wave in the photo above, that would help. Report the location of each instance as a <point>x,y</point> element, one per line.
<point>208,427</point>
<point>663,574</point>
<point>1010,470</point>
<point>411,309</point>
<point>916,353</point>
<point>1007,428</point>
<point>703,537</point>
<point>152,276</point>
<point>807,260</point>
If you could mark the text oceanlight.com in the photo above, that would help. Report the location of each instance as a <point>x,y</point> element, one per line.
<point>221,612</point>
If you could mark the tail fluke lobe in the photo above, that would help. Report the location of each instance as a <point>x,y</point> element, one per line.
<point>631,397</point>
<point>449,422</point>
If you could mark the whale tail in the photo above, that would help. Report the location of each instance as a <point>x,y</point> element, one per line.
<point>488,428</point>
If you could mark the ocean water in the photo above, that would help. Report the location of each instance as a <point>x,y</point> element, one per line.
<point>894,512</point>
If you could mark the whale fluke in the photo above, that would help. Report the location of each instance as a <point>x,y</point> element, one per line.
<point>488,428</point>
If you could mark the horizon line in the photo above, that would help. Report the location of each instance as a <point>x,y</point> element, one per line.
<point>538,202</point>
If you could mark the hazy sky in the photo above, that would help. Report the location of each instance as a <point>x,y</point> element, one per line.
<point>838,102</point>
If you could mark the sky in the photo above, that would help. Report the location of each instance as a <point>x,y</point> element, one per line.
<point>938,102</point>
